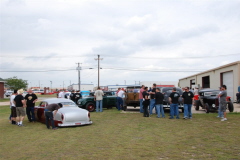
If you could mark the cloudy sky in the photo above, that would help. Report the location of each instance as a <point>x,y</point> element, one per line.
<point>139,40</point>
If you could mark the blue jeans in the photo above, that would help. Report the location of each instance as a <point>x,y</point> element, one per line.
<point>152,105</point>
<point>174,110</point>
<point>30,114</point>
<point>160,110</point>
<point>49,116</point>
<point>187,110</point>
<point>220,114</point>
<point>99,105</point>
<point>119,103</point>
<point>141,105</point>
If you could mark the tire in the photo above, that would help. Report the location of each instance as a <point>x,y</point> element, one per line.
<point>207,108</point>
<point>196,105</point>
<point>90,107</point>
<point>125,108</point>
<point>230,106</point>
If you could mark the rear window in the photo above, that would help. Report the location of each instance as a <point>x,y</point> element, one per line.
<point>68,104</point>
<point>212,93</point>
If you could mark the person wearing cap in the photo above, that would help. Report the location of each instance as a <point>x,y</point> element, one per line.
<point>73,95</point>
<point>187,103</point>
<point>20,104</point>
<point>31,98</point>
<point>50,111</point>
<point>152,99</point>
<point>174,99</point>
<point>13,107</point>
<point>223,102</point>
<point>146,102</point>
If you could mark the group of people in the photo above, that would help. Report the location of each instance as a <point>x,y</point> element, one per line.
<point>18,103</point>
<point>153,98</point>
<point>75,96</point>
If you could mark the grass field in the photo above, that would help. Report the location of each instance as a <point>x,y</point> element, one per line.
<point>119,136</point>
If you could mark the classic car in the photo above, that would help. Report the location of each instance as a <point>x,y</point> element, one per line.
<point>69,115</point>
<point>8,93</point>
<point>209,101</point>
<point>166,92</point>
<point>132,97</point>
<point>89,104</point>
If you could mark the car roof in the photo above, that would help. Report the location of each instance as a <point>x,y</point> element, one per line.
<point>56,100</point>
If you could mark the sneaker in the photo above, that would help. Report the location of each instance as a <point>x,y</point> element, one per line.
<point>20,125</point>
<point>224,119</point>
<point>185,118</point>
<point>171,118</point>
<point>55,128</point>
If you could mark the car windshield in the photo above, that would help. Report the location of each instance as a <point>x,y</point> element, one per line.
<point>68,104</point>
<point>212,93</point>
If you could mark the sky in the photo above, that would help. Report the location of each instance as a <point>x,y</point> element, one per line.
<point>42,41</point>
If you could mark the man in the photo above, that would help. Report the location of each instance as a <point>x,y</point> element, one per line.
<point>223,101</point>
<point>187,103</point>
<point>141,98</point>
<point>13,107</point>
<point>152,98</point>
<point>238,97</point>
<point>61,94</point>
<point>119,99</point>
<point>50,111</point>
<point>30,98</point>
<point>220,113</point>
<point>146,102</point>
<point>78,95</point>
<point>173,99</point>
<point>73,95</point>
<point>159,103</point>
<point>98,97</point>
<point>20,104</point>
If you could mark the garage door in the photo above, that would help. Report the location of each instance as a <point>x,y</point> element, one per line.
<point>228,81</point>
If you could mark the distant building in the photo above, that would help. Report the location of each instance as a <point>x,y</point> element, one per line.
<point>83,87</point>
<point>160,83</point>
<point>228,75</point>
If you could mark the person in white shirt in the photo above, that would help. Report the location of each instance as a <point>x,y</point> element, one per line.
<point>98,97</point>
<point>13,107</point>
<point>61,94</point>
<point>119,99</point>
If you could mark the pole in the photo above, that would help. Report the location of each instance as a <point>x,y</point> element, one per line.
<point>79,80</point>
<point>98,68</point>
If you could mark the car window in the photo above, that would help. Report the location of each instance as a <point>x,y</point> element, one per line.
<point>212,93</point>
<point>43,104</point>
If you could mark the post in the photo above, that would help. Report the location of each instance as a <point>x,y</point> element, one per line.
<point>51,86</point>
<point>79,80</point>
<point>98,68</point>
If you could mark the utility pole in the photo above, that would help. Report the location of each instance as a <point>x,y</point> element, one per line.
<point>98,67</point>
<point>51,85</point>
<point>79,80</point>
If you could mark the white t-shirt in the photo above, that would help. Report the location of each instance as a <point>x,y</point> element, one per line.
<point>120,93</point>
<point>99,95</point>
<point>12,100</point>
<point>61,95</point>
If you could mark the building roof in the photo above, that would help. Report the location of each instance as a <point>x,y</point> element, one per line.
<point>220,67</point>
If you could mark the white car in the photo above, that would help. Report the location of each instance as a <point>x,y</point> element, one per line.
<point>69,115</point>
<point>8,93</point>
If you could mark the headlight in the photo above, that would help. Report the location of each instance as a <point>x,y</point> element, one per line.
<point>213,105</point>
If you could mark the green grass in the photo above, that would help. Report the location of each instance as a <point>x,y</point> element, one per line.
<point>117,136</point>
<point>4,100</point>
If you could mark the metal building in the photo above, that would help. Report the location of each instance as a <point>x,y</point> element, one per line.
<point>228,75</point>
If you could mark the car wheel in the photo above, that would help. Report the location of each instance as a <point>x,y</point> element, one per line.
<point>207,108</point>
<point>196,105</point>
<point>230,106</point>
<point>90,107</point>
<point>125,108</point>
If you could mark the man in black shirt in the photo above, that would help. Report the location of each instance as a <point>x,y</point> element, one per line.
<point>159,103</point>
<point>152,98</point>
<point>188,100</point>
<point>173,99</point>
<point>20,105</point>
<point>72,95</point>
<point>78,95</point>
<point>145,102</point>
<point>49,115</point>
<point>30,98</point>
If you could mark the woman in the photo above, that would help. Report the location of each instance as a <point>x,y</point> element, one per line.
<point>146,102</point>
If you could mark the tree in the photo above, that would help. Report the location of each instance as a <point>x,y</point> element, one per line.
<point>15,83</point>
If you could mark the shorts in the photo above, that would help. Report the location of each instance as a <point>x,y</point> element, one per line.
<point>13,111</point>
<point>223,106</point>
<point>20,112</point>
